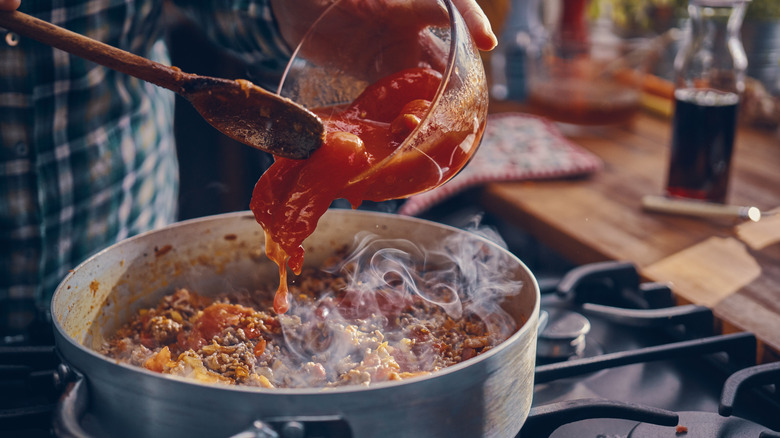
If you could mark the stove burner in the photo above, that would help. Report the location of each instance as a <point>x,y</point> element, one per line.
<point>564,335</point>
<point>703,425</point>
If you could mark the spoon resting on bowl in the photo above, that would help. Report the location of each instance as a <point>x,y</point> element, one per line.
<point>237,108</point>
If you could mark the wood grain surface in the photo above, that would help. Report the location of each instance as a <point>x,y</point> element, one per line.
<point>731,266</point>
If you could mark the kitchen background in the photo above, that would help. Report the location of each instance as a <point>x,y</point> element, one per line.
<point>218,174</point>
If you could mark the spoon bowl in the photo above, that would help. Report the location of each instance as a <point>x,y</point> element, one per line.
<point>237,108</point>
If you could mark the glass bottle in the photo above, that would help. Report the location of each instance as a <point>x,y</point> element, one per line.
<point>520,41</point>
<point>709,81</point>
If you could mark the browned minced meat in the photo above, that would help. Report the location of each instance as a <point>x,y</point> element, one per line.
<point>329,338</point>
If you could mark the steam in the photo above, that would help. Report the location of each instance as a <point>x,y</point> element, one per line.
<point>395,270</point>
<point>481,274</point>
<point>464,275</point>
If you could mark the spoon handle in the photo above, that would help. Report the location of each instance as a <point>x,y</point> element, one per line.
<point>93,50</point>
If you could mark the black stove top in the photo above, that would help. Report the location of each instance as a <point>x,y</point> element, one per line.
<point>617,358</point>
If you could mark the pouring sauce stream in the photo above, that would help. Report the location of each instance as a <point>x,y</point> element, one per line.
<point>292,195</point>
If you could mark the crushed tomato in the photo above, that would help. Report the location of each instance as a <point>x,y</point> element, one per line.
<point>214,319</point>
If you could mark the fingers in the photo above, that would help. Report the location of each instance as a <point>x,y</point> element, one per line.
<point>478,24</point>
<point>9,5</point>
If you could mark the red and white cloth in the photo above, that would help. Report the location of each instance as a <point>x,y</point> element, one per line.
<point>514,147</point>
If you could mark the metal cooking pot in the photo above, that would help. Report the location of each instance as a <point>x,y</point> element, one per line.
<point>489,395</point>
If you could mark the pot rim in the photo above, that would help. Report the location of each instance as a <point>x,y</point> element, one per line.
<point>459,367</point>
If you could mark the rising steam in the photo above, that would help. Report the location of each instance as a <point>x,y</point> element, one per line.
<point>464,275</point>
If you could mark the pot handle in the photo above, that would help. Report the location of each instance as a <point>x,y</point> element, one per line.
<point>258,430</point>
<point>297,427</point>
<point>72,404</point>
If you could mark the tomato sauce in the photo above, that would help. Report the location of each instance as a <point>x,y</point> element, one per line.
<point>213,320</point>
<point>292,195</point>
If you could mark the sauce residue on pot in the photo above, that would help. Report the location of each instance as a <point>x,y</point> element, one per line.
<point>292,195</point>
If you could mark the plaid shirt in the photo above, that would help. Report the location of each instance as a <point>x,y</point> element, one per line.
<point>87,154</point>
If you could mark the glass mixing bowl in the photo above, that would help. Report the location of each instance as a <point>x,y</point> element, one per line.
<point>586,83</point>
<point>447,136</point>
<point>584,73</point>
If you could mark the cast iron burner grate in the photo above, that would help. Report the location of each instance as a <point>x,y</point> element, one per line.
<point>652,422</point>
<point>659,366</point>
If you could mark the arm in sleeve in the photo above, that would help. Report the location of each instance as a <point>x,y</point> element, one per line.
<point>247,28</point>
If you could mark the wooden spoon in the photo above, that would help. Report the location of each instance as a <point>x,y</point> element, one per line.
<point>237,108</point>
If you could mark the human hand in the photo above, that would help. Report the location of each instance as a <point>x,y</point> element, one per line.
<point>9,5</point>
<point>295,18</point>
<point>478,24</point>
<point>393,27</point>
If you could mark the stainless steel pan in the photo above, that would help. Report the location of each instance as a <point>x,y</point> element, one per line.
<point>489,395</point>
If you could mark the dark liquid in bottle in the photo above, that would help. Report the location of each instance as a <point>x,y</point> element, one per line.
<point>703,132</point>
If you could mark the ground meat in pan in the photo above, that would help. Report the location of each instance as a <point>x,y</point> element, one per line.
<point>329,338</point>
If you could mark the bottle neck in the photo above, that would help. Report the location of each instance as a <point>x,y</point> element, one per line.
<point>713,55</point>
<point>718,24</point>
<point>525,16</point>
<point>573,27</point>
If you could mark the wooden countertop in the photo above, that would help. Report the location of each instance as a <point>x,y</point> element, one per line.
<point>732,267</point>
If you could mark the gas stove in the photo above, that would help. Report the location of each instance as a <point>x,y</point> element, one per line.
<point>616,358</point>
